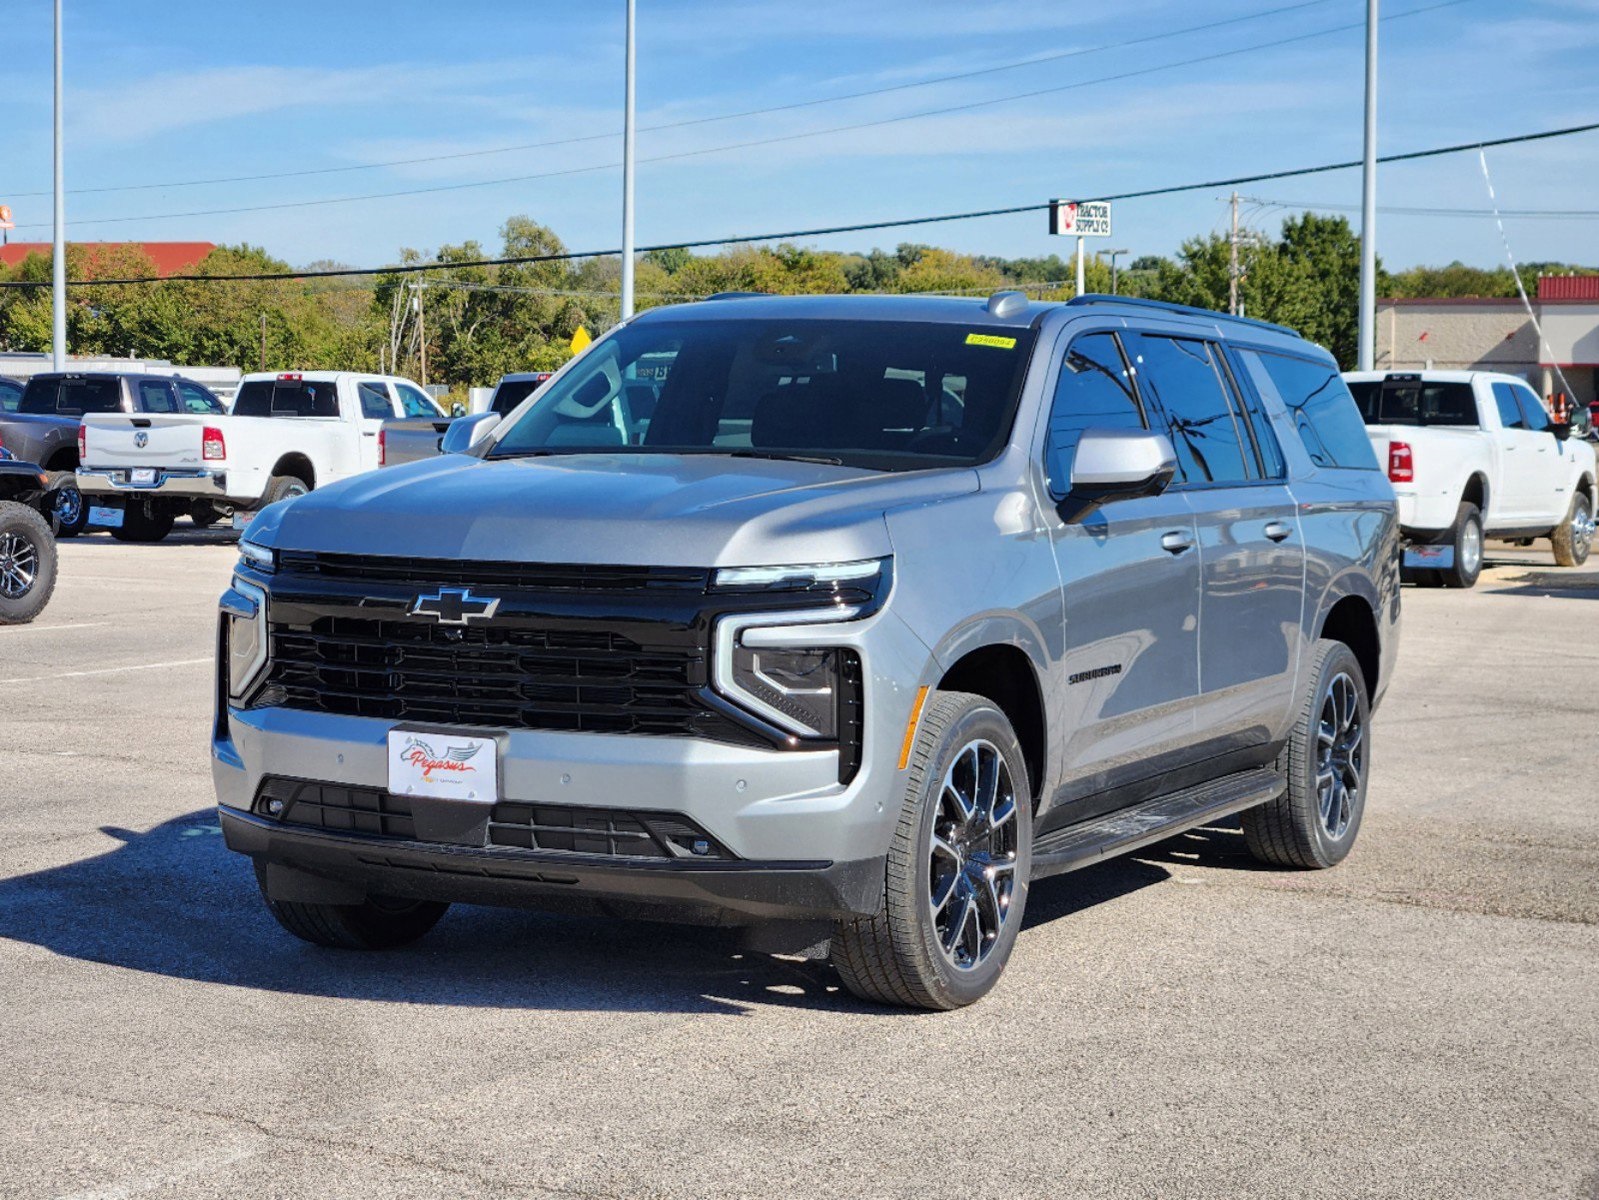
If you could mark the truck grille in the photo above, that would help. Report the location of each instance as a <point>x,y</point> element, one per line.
<point>501,676</point>
<point>537,577</point>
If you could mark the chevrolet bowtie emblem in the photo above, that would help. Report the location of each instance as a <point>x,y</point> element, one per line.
<point>454,606</point>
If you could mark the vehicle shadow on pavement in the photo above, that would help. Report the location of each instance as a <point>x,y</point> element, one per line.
<point>175,902</point>
<point>216,536</point>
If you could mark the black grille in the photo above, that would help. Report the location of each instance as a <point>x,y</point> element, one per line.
<point>501,676</point>
<point>332,806</point>
<point>538,577</point>
<point>851,717</point>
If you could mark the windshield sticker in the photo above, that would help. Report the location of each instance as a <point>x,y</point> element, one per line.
<point>989,339</point>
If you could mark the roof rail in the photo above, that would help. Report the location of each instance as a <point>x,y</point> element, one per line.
<point>1186,310</point>
<point>738,295</point>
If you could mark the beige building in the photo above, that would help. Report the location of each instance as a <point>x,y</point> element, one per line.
<point>1498,335</point>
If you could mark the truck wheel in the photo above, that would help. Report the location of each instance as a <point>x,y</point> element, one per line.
<point>139,524</point>
<point>1327,761</point>
<point>1467,538</point>
<point>955,885</point>
<point>1574,537</point>
<point>204,514</point>
<point>69,511</point>
<point>27,563</point>
<point>381,923</point>
<point>284,487</point>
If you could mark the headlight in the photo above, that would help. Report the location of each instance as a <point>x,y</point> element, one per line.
<point>244,612</point>
<point>862,574</point>
<point>257,557</point>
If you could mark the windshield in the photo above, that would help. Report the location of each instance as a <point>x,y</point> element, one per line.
<point>1414,402</point>
<point>71,397</point>
<point>885,395</point>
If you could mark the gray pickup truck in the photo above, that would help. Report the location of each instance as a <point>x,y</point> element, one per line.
<point>413,439</point>
<point>887,608</point>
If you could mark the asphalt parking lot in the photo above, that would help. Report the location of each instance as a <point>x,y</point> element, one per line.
<point>1421,1021</point>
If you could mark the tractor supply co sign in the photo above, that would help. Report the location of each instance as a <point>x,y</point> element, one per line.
<point>1085,218</point>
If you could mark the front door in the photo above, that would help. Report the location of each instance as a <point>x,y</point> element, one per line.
<point>1129,676</point>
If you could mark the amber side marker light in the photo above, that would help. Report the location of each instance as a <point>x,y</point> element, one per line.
<point>910,728</point>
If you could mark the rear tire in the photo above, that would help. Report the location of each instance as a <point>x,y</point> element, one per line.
<point>27,563</point>
<point>955,886</point>
<point>1327,762</point>
<point>284,487</point>
<point>380,923</point>
<point>1574,537</point>
<point>140,524</point>
<point>1467,539</point>
<point>69,510</point>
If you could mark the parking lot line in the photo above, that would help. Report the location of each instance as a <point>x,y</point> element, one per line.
<point>182,662</point>
<point>56,628</point>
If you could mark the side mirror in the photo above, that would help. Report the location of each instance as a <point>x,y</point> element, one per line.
<point>466,432</point>
<point>1561,430</point>
<point>1115,464</point>
<point>457,409</point>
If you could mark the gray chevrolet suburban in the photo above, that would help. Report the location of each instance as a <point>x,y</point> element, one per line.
<point>871,612</point>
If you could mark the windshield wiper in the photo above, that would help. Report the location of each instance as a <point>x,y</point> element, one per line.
<point>823,459</point>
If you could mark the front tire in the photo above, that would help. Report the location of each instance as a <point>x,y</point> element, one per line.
<point>1327,762</point>
<point>378,923</point>
<point>1574,537</point>
<point>955,885</point>
<point>27,563</point>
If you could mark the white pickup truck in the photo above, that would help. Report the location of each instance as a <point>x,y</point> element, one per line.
<point>286,434</point>
<point>1470,454</point>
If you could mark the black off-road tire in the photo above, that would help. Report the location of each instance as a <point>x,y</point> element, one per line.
<point>381,923</point>
<point>25,533</point>
<point>69,507</point>
<point>1292,831</point>
<point>140,525</point>
<point>284,487</point>
<point>893,957</point>
<point>1571,544</point>
<point>1468,524</point>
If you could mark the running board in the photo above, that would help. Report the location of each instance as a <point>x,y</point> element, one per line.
<point>1115,833</point>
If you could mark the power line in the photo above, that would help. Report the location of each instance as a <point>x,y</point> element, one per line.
<point>859,227</point>
<point>1424,211</point>
<point>1036,60</point>
<point>768,141</point>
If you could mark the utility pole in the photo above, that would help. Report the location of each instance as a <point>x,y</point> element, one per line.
<point>58,268</point>
<point>263,341</point>
<point>422,330</point>
<point>627,175</point>
<point>1113,254</point>
<point>1232,263</point>
<point>1368,201</point>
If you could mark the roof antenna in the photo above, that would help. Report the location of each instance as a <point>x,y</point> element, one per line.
<point>1006,304</point>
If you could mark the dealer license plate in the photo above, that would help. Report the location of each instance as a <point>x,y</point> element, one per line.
<point>1437,558</point>
<point>444,766</point>
<point>106,518</point>
<point>142,476</point>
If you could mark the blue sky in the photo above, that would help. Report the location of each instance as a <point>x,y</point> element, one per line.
<point>158,94</point>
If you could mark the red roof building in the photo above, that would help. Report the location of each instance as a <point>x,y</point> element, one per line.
<point>1569,287</point>
<point>169,257</point>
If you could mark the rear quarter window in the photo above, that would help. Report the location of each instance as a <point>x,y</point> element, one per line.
<point>1320,408</point>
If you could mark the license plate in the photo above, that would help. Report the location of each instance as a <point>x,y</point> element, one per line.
<point>444,766</point>
<point>241,520</point>
<point>1437,558</point>
<point>106,518</point>
<point>142,476</point>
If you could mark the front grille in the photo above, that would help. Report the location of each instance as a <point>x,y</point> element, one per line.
<point>559,828</point>
<point>536,577</point>
<point>501,676</point>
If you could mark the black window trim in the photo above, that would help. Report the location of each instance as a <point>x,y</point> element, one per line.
<point>1057,370</point>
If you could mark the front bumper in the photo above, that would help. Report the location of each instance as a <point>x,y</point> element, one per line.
<point>733,892</point>
<point>117,481</point>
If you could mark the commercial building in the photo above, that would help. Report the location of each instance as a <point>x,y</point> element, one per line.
<point>169,257</point>
<point>1499,335</point>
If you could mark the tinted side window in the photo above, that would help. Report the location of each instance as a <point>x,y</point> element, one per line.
<point>1095,391</point>
<point>196,399</point>
<point>1320,406</point>
<point>1269,450</point>
<point>10,394</point>
<point>1509,411</point>
<point>79,396</point>
<point>1183,378</point>
<point>39,396</point>
<point>1532,409</point>
<point>155,395</point>
<point>375,403</point>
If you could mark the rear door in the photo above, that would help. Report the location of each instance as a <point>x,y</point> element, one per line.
<point>377,406</point>
<point>1251,549</point>
<point>1129,674</point>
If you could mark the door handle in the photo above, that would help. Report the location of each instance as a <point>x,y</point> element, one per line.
<point>1176,542</point>
<point>1277,531</point>
<point>369,433</point>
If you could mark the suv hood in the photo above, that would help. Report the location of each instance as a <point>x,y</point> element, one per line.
<point>668,510</point>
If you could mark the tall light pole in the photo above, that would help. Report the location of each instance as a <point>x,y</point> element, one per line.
<point>1114,254</point>
<point>58,267</point>
<point>627,177</point>
<point>1368,201</point>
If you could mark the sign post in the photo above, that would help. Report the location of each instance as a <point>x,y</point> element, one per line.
<point>1080,219</point>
